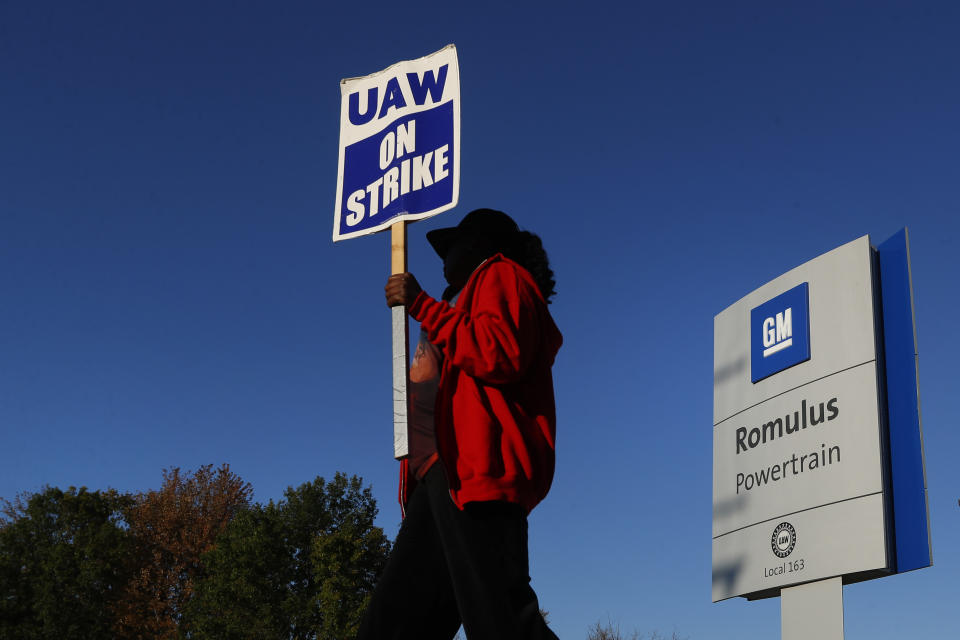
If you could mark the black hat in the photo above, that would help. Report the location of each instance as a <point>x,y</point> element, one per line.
<point>479,224</point>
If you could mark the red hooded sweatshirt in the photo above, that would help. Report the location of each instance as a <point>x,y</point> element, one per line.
<point>495,416</point>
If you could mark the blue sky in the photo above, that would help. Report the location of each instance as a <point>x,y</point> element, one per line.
<point>171,295</point>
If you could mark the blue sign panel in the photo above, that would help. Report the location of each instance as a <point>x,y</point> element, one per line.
<point>780,333</point>
<point>415,178</point>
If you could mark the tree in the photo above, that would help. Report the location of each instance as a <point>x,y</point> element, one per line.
<point>611,631</point>
<point>347,559</point>
<point>63,563</point>
<point>173,528</point>
<point>246,589</point>
<point>302,568</point>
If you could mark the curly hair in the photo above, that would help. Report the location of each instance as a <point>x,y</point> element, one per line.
<point>526,249</point>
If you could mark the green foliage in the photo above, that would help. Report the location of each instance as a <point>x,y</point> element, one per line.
<point>192,560</point>
<point>62,564</point>
<point>347,559</point>
<point>302,568</point>
<point>247,585</point>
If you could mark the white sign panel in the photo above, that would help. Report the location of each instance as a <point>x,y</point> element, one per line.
<point>399,145</point>
<point>798,487</point>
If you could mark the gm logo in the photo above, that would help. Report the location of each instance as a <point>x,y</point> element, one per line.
<point>780,333</point>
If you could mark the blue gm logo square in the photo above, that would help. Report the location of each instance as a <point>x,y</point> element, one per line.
<point>780,333</point>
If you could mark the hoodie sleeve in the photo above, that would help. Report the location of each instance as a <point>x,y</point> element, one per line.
<point>497,337</point>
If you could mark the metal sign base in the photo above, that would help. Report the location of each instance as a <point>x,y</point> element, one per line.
<point>401,364</point>
<point>401,347</point>
<point>812,610</point>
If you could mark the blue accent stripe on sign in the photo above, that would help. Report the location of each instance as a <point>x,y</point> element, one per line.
<point>910,510</point>
<point>406,168</point>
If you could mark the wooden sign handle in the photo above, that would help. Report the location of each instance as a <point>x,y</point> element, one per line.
<point>401,346</point>
<point>398,247</point>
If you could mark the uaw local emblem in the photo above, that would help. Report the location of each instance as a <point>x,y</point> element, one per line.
<point>783,540</point>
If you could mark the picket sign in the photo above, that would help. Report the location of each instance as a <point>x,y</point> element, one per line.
<point>399,161</point>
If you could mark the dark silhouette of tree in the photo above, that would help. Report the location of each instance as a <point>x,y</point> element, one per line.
<point>193,559</point>
<point>301,568</point>
<point>611,631</point>
<point>63,563</point>
<point>347,559</point>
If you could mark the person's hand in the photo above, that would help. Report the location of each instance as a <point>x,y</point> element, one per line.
<point>402,289</point>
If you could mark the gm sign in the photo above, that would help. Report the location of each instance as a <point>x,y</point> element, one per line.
<point>780,333</point>
<point>818,468</point>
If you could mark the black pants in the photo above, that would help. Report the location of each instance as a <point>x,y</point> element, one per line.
<point>450,567</point>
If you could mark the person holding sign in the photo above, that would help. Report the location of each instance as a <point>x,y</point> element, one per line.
<point>482,453</point>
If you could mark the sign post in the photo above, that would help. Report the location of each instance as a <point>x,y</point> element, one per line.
<point>812,610</point>
<point>399,161</point>
<point>401,349</point>
<point>818,477</point>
